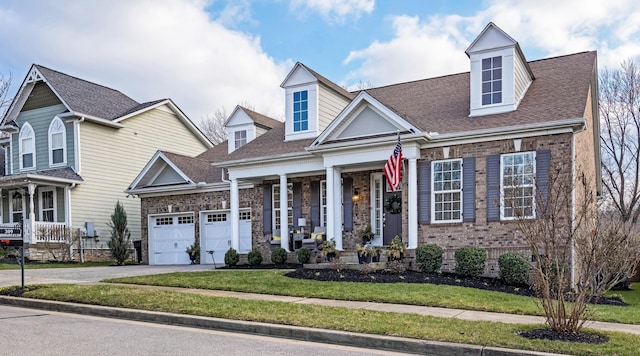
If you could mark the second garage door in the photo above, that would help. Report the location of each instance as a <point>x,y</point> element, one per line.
<point>216,235</point>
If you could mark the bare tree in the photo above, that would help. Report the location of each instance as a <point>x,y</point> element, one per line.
<point>5,100</point>
<point>619,104</point>
<point>567,228</point>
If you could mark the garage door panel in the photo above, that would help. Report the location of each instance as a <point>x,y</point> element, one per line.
<point>170,237</point>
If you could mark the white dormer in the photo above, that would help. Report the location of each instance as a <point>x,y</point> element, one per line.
<point>240,129</point>
<point>500,75</point>
<point>311,103</point>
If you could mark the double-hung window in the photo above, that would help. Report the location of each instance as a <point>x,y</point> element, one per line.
<point>240,138</point>
<point>300,111</point>
<point>517,183</point>
<point>27,147</point>
<point>492,80</point>
<point>57,139</point>
<point>277,221</point>
<point>446,191</point>
<point>323,203</point>
<point>47,205</point>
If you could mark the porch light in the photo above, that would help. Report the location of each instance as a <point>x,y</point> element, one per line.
<point>356,195</point>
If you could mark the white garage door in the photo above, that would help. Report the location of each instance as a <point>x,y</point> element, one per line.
<point>216,235</point>
<point>169,238</point>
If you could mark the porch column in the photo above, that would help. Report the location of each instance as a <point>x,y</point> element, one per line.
<point>335,200</point>
<point>32,214</point>
<point>67,206</point>
<point>330,207</point>
<point>234,206</point>
<point>412,203</point>
<point>284,213</point>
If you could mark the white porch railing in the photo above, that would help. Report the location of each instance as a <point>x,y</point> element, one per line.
<point>50,232</point>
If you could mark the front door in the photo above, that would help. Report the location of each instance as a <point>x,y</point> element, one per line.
<point>386,211</point>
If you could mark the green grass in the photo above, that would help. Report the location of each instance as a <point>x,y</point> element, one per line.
<point>365,321</point>
<point>274,282</point>
<point>38,265</point>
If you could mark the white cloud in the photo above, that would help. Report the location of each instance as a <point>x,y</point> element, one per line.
<point>148,49</point>
<point>336,10</point>
<point>426,47</point>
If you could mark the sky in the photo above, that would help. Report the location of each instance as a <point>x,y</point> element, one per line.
<point>213,55</point>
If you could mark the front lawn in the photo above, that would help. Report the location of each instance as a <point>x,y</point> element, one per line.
<point>7,264</point>
<point>365,321</point>
<point>274,282</point>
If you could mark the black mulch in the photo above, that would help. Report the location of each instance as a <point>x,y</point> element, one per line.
<point>548,334</point>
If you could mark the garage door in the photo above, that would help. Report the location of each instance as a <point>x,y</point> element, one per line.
<point>169,238</point>
<point>216,235</point>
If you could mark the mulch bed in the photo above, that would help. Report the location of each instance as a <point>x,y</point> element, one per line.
<point>549,334</point>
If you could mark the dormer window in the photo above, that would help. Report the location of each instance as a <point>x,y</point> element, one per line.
<point>492,80</point>
<point>27,147</point>
<point>300,111</point>
<point>240,138</point>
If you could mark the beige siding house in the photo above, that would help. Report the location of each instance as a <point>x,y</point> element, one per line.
<point>70,156</point>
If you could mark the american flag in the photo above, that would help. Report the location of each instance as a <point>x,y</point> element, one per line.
<point>393,167</point>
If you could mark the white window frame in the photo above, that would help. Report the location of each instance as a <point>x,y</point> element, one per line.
<point>41,207</point>
<point>445,191</point>
<point>492,80</point>
<point>27,133</point>
<point>57,128</point>
<point>301,111</point>
<point>22,203</point>
<point>520,185</point>
<point>275,218</point>
<point>240,141</point>
<point>323,203</point>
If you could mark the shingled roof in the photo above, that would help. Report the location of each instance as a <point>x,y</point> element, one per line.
<point>441,105</point>
<point>88,98</point>
<point>261,120</point>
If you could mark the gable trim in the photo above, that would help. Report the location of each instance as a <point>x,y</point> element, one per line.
<point>147,170</point>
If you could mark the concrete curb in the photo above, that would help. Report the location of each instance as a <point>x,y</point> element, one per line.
<point>378,342</point>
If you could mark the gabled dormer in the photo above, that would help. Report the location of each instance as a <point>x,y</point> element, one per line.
<point>311,102</point>
<point>500,75</point>
<point>244,125</point>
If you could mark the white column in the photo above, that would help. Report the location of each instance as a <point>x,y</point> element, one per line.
<point>234,206</point>
<point>32,213</point>
<point>330,206</point>
<point>412,206</point>
<point>337,203</point>
<point>284,213</point>
<point>67,206</point>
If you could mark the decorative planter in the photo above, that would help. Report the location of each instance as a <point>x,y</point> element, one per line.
<point>364,259</point>
<point>331,256</point>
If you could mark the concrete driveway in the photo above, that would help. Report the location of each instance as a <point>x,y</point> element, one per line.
<point>89,274</point>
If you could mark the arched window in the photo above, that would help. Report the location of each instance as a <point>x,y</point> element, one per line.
<point>57,140</point>
<point>27,147</point>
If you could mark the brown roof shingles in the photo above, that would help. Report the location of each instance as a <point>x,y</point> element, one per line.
<point>261,120</point>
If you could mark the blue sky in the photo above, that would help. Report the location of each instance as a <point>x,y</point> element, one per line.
<point>211,55</point>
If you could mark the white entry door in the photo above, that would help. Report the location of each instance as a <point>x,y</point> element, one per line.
<point>169,237</point>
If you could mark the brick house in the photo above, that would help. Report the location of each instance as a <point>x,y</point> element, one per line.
<point>461,135</point>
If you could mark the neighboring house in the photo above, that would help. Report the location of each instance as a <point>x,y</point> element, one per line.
<point>461,135</point>
<point>73,147</point>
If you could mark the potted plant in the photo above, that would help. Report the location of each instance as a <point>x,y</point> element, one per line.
<point>366,234</point>
<point>194,253</point>
<point>328,249</point>
<point>396,249</point>
<point>365,253</point>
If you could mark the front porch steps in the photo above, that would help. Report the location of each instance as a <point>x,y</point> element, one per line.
<point>349,260</point>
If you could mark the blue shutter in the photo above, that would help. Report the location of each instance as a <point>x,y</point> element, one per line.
<point>297,203</point>
<point>424,192</point>
<point>469,189</point>
<point>347,203</point>
<point>315,204</point>
<point>266,209</point>
<point>493,188</point>
<point>543,161</point>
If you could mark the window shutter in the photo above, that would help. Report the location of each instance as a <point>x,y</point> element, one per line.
<point>493,188</point>
<point>347,203</point>
<point>543,161</point>
<point>297,203</point>
<point>315,203</point>
<point>424,192</point>
<point>266,209</point>
<point>469,189</point>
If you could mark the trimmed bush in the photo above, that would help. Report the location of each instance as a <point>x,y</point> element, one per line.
<point>231,257</point>
<point>279,256</point>
<point>304,255</point>
<point>514,269</point>
<point>470,261</point>
<point>429,258</point>
<point>255,257</point>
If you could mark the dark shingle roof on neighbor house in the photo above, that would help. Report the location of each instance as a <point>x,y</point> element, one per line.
<point>90,98</point>
<point>442,104</point>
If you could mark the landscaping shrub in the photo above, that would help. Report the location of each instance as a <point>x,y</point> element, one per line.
<point>514,269</point>
<point>304,255</point>
<point>255,257</point>
<point>278,256</point>
<point>120,241</point>
<point>429,258</point>
<point>231,257</point>
<point>470,261</point>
